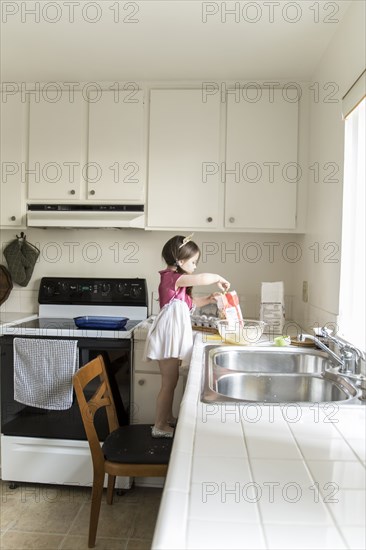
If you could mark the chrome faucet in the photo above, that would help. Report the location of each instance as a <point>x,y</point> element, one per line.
<point>350,355</point>
<point>349,358</point>
<point>348,361</point>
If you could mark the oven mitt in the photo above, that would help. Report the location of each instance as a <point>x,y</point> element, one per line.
<point>21,257</point>
<point>5,284</point>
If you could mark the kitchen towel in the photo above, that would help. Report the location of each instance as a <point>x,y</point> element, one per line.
<point>43,371</point>
<point>21,257</point>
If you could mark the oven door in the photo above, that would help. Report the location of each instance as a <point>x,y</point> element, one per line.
<point>21,420</point>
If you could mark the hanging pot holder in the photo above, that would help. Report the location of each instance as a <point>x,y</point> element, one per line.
<point>5,284</point>
<point>21,257</point>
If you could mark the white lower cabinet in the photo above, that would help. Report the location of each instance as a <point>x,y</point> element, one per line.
<point>146,389</point>
<point>146,386</point>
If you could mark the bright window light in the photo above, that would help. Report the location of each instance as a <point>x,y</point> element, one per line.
<point>351,320</point>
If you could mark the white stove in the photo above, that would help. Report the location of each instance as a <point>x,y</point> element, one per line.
<point>45,446</point>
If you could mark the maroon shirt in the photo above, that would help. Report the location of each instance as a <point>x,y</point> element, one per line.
<point>167,290</point>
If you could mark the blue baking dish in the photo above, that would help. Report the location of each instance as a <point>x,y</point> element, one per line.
<point>101,322</point>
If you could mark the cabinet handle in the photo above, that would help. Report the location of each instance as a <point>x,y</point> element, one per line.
<point>209,219</point>
<point>13,218</point>
<point>231,220</point>
<point>72,192</point>
<point>141,382</point>
<point>92,192</point>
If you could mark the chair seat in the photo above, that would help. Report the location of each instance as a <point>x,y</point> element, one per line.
<point>135,444</point>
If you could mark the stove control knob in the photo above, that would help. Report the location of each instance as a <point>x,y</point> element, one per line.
<point>136,291</point>
<point>49,289</point>
<point>122,288</point>
<point>64,287</point>
<point>105,288</point>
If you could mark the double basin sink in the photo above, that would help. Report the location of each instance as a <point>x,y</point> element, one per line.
<point>266,375</point>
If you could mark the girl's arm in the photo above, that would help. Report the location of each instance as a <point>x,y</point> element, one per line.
<point>203,279</point>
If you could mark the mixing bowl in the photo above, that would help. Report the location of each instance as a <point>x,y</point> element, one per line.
<point>244,333</point>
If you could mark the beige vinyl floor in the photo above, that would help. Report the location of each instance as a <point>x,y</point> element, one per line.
<point>51,517</point>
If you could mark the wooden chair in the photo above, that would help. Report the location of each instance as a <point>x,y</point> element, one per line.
<point>127,450</point>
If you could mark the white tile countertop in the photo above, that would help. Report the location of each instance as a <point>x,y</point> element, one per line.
<point>15,317</point>
<point>271,477</point>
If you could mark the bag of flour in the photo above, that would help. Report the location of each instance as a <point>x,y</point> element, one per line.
<point>229,307</point>
<point>272,309</point>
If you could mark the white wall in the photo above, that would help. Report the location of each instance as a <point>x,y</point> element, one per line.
<point>130,253</point>
<point>340,66</point>
<point>313,258</point>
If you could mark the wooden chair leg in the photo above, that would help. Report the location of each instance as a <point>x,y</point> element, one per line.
<point>110,488</point>
<point>96,500</point>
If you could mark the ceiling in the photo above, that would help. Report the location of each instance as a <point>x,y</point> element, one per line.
<point>165,40</point>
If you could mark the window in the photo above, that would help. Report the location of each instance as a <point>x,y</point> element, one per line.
<point>352,288</point>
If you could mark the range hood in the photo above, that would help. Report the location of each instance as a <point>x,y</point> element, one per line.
<point>86,215</point>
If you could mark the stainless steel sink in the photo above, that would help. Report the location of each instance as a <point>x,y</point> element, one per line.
<point>259,359</point>
<point>268,375</point>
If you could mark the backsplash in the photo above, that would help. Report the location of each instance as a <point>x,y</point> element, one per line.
<point>245,260</point>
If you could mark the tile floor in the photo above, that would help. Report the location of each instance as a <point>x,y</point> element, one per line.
<point>52,517</point>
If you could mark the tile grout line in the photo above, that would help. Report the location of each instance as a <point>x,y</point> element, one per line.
<point>261,522</point>
<point>338,529</point>
<point>82,505</point>
<point>350,446</point>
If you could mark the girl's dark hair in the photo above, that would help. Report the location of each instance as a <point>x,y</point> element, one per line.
<point>173,252</point>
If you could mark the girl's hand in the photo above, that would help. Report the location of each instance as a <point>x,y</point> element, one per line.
<point>213,298</point>
<point>223,284</point>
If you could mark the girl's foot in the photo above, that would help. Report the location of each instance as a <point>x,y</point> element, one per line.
<point>172,422</point>
<point>156,432</point>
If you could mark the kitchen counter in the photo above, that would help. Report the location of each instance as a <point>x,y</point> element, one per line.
<point>249,476</point>
<point>15,317</point>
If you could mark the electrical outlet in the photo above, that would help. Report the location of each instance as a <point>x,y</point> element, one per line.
<point>305,291</point>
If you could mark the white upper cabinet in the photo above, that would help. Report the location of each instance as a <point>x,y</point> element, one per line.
<point>212,166</point>
<point>12,157</point>
<point>55,169</point>
<point>116,139</point>
<point>184,135</point>
<point>261,168</point>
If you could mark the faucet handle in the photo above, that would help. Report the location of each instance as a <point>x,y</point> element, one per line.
<point>348,355</point>
<point>324,332</point>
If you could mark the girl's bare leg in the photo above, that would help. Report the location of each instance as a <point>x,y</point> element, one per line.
<point>169,369</point>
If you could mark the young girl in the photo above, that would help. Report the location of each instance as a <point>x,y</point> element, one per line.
<point>170,340</point>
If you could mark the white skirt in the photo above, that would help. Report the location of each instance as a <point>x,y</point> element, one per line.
<point>171,334</point>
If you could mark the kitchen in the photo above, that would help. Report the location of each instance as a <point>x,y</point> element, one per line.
<point>325,59</point>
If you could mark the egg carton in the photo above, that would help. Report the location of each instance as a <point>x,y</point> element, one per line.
<point>207,321</point>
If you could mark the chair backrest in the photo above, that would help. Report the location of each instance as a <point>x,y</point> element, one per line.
<point>102,397</point>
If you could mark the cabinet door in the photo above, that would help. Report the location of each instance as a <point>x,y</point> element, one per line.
<point>146,389</point>
<point>261,163</point>
<point>183,149</point>
<point>116,159</point>
<point>12,188</point>
<point>55,168</point>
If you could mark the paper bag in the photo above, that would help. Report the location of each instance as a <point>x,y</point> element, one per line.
<point>229,307</point>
